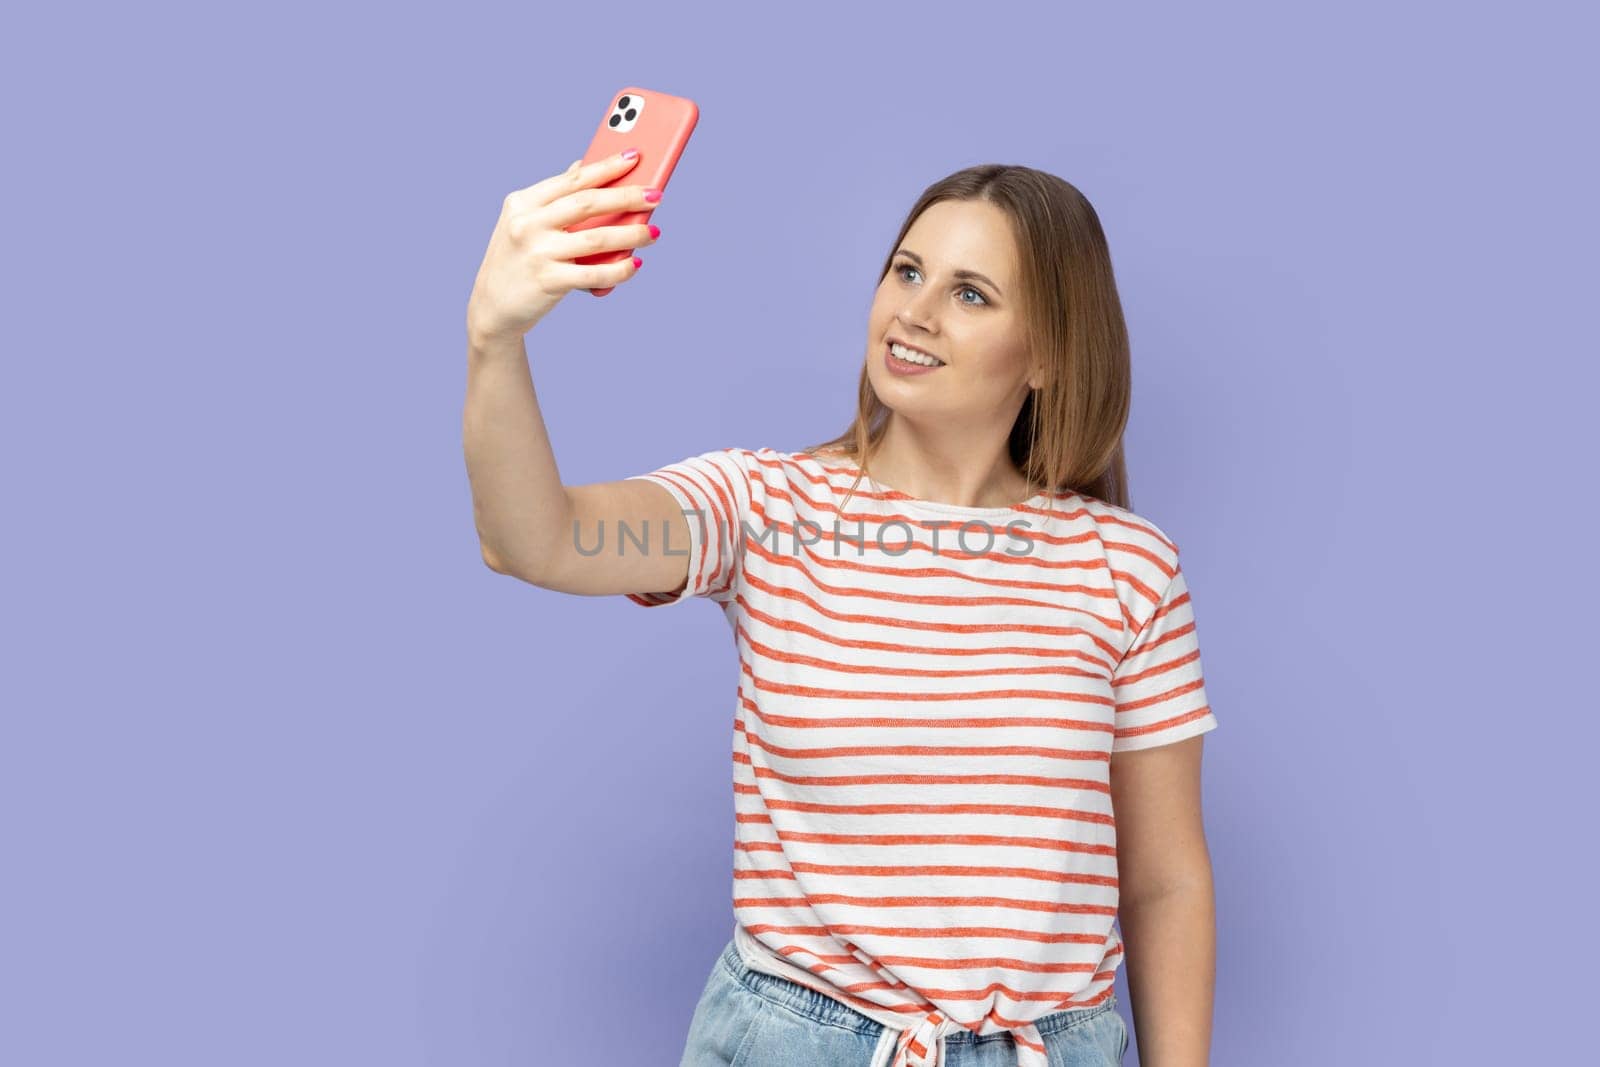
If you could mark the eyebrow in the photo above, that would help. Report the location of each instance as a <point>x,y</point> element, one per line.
<point>913,257</point>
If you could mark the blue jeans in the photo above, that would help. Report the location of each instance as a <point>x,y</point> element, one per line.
<point>748,1018</point>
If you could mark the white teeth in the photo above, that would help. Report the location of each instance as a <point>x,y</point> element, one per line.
<point>911,355</point>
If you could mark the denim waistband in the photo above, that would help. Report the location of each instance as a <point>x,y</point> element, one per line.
<point>824,1009</point>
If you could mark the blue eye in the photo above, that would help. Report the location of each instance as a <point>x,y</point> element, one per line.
<point>965,289</point>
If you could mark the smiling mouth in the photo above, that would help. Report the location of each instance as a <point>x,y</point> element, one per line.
<point>892,345</point>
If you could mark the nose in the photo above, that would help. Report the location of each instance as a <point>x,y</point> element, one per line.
<point>917,311</point>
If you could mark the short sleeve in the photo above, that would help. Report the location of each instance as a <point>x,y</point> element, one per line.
<point>714,490</point>
<point>1158,684</point>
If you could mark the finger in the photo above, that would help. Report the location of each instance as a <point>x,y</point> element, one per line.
<point>578,204</point>
<point>578,176</point>
<point>592,275</point>
<point>567,246</point>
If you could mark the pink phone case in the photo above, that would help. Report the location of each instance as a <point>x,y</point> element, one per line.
<point>658,125</point>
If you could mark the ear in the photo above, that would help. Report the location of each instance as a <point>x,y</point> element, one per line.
<point>1035,374</point>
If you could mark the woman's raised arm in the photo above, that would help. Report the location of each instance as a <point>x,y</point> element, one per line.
<point>523,513</point>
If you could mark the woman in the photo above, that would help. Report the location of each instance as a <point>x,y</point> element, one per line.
<point>949,679</point>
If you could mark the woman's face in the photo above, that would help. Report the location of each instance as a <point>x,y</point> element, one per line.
<point>973,324</point>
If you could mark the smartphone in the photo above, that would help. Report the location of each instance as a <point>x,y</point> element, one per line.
<point>658,125</point>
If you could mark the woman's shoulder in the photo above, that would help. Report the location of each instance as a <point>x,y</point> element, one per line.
<point>813,461</point>
<point>776,466</point>
<point>1112,518</point>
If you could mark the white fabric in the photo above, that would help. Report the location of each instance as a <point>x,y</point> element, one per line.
<point>929,698</point>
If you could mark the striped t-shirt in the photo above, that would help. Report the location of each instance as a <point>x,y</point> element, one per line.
<point>928,700</point>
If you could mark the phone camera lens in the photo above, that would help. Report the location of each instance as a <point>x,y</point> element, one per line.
<point>623,102</point>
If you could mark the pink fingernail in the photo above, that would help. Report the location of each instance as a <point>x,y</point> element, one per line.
<point>631,153</point>
<point>652,195</point>
<point>637,262</point>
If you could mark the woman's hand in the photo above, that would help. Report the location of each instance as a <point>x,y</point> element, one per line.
<point>527,268</point>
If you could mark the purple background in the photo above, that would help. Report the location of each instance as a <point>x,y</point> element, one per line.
<point>291,777</point>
